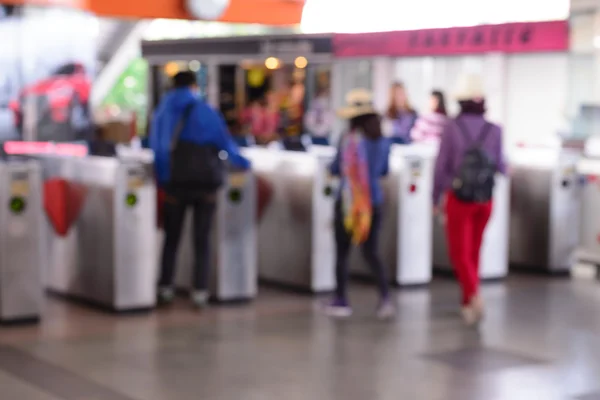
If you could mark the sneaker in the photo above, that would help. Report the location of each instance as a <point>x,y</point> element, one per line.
<point>477,306</point>
<point>166,295</point>
<point>338,308</point>
<point>199,298</point>
<point>385,310</point>
<point>469,315</point>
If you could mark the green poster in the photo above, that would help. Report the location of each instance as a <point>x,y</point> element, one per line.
<point>130,92</point>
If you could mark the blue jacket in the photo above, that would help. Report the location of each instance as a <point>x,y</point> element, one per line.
<point>378,154</point>
<point>204,126</point>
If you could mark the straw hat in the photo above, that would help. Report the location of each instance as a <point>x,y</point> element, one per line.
<point>470,87</point>
<point>358,102</point>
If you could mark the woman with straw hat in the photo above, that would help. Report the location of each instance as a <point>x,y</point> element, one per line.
<point>362,159</point>
<point>468,141</point>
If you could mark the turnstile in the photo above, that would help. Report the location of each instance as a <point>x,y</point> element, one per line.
<point>233,243</point>
<point>544,208</point>
<point>295,228</point>
<point>589,237</point>
<point>494,249</point>
<point>101,230</point>
<point>22,249</point>
<point>406,233</point>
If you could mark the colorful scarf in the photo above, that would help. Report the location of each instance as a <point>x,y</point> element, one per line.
<point>356,193</point>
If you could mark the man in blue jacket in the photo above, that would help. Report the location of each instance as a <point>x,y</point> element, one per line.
<point>204,126</point>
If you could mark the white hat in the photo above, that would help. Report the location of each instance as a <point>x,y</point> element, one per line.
<point>470,87</point>
<point>358,102</point>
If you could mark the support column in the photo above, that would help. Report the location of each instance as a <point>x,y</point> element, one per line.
<point>495,74</point>
<point>596,39</point>
<point>212,90</point>
<point>382,70</point>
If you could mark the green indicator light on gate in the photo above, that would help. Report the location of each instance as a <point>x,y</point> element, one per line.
<point>131,199</point>
<point>17,205</point>
<point>235,195</point>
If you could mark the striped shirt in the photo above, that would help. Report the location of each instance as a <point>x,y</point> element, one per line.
<point>429,128</point>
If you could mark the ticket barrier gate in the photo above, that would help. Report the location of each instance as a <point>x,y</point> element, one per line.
<point>494,249</point>
<point>589,235</point>
<point>100,227</point>
<point>544,208</point>
<point>233,243</point>
<point>406,239</point>
<point>22,250</point>
<point>295,219</point>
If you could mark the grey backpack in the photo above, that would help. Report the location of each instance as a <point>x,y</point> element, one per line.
<point>474,182</point>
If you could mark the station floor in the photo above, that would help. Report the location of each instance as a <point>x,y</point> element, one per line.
<point>540,340</point>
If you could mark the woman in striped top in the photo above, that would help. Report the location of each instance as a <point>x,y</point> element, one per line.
<point>429,127</point>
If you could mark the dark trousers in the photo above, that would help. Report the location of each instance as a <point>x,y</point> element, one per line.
<point>369,250</point>
<point>174,216</point>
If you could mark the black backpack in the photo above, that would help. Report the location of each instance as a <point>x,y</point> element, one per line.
<point>474,182</point>
<point>194,167</point>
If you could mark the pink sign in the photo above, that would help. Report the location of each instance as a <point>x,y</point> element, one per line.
<point>33,148</point>
<point>508,38</point>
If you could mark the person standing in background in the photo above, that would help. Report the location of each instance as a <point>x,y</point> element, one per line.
<point>470,154</point>
<point>271,117</point>
<point>319,118</point>
<point>291,116</point>
<point>253,123</point>
<point>361,160</point>
<point>429,127</point>
<point>400,116</point>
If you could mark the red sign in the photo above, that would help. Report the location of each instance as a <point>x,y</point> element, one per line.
<point>507,38</point>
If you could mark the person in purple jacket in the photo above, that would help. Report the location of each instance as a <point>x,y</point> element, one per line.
<point>466,221</point>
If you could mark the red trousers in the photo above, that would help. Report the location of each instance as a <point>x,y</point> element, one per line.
<point>465,226</point>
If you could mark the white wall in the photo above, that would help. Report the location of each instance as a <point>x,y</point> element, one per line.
<point>536,96</point>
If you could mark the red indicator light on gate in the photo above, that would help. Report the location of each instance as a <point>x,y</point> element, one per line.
<point>412,188</point>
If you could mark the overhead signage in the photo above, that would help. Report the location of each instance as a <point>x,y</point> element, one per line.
<point>276,45</point>
<point>290,47</point>
<point>507,38</point>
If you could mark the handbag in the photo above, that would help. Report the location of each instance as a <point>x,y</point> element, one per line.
<point>194,167</point>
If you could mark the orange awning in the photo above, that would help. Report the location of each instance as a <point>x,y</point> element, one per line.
<point>267,12</point>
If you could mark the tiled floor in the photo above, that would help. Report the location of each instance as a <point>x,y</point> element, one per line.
<point>540,340</point>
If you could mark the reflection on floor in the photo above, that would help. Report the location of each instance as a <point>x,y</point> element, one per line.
<point>540,340</point>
